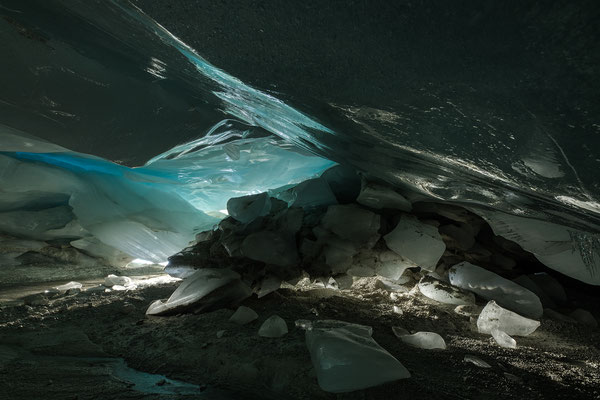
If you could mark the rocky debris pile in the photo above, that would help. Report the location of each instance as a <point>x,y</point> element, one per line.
<point>316,234</point>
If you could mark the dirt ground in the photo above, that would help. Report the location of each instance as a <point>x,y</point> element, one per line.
<point>46,351</point>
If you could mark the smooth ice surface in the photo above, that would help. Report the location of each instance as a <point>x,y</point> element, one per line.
<point>273,327</point>
<point>503,339</point>
<point>443,292</point>
<point>492,286</point>
<point>422,340</point>
<point>495,317</point>
<point>417,242</point>
<point>379,196</point>
<point>243,315</point>
<point>346,358</point>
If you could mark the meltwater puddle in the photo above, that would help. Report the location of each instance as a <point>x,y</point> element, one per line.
<point>151,383</point>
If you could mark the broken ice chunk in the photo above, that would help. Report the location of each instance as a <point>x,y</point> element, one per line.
<point>68,286</point>
<point>417,242</point>
<point>112,280</point>
<point>273,327</point>
<point>247,208</point>
<point>271,248</point>
<point>503,339</point>
<point>338,254</point>
<point>205,288</point>
<point>391,265</point>
<point>378,196</point>
<point>443,292</point>
<point>346,358</point>
<point>351,222</point>
<point>477,361</point>
<point>312,193</point>
<point>495,317</point>
<point>422,340</point>
<point>243,315</point>
<point>492,286</point>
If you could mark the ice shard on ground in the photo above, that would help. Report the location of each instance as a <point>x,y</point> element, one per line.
<point>495,317</point>
<point>346,358</point>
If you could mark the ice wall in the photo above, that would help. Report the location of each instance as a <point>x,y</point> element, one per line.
<point>150,212</point>
<point>104,78</point>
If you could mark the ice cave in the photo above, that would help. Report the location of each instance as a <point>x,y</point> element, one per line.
<point>318,199</point>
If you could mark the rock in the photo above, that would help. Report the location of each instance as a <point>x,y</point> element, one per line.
<point>443,292</point>
<point>346,358</point>
<point>377,196</point>
<point>397,310</point>
<point>477,361</point>
<point>495,317</point>
<point>220,334</point>
<point>492,286</point>
<point>35,300</point>
<point>503,339</point>
<point>422,340</point>
<point>417,242</point>
<point>273,327</point>
<point>271,248</point>
<point>351,223</point>
<point>243,315</point>
<point>206,288</point>
<point>584,317</point>
<point>246,209</point>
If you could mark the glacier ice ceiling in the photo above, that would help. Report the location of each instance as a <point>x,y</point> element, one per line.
<point>122,132</point>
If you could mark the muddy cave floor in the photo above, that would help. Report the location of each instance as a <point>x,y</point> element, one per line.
<point>46,351</point>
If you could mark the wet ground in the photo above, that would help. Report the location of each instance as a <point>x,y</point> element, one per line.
<point>73,347</point>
